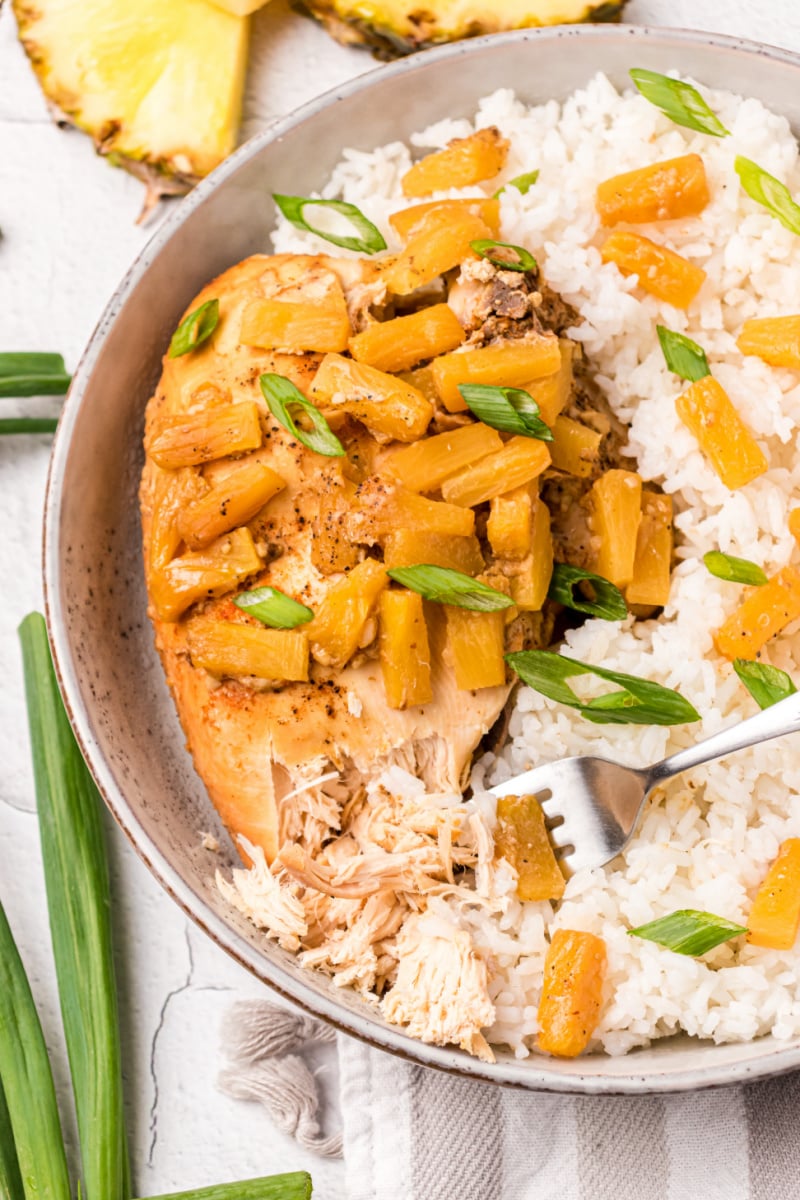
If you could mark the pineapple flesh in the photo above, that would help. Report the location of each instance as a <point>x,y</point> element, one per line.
<point>157,85</point>
<point>393,27</point>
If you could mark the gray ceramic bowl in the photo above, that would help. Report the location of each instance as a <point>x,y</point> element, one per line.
<point>103,644</point>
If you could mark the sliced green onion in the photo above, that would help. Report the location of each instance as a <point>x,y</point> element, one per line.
<point>445,586</point>
<point>734,570</point>
<point>768,191</point>
<point>296,1186</point>
<point>608,603</point>
<point>767,685</point>
<point>370,241</point>
<point>79,906</point>
<point>683,356</point>
<point>195,329</point>
<point>32,374</point>
<point>523,183</point>
<point>28,425</point>
<point>679,101</point>
<point>10,1179</point>
<point>506,408</point>
<point>283,399</point>
<point>274,608</point>
<point>28,1081</point>
<point>639,703</point>
<point>524,260</point>
<point>689,931</point>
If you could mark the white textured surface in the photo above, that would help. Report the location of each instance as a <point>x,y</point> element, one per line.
<point>69,234</point>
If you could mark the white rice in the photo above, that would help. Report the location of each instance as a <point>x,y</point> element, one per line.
<point>708,841</point>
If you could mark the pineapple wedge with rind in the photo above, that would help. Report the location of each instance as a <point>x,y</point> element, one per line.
<point>158,86</point>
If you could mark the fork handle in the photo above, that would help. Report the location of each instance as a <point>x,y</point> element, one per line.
<point>772,722</point>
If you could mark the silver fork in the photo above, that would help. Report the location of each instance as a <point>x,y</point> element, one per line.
<point>592,805</point>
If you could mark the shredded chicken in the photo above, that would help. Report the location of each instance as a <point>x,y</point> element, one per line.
<point>267,900</point>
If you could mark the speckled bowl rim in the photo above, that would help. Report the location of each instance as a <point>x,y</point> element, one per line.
<point>777,1058</point>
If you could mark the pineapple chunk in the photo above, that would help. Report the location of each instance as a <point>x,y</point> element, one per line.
<point>575,447</point>
<point>401,343</point>
<point>406,220</point>
<point>521,460</point>
<point>661,272</point>
<point>774,918</point>
<point>530,583</point>
<point>383,508</point>
<point>408,547</point>
<point>463,162</point>
<point>297,326</point>
<point>794,523</point>
<point>218,569</point>
<point>552,393</point>
<point>193,438</point>
<point>157,85</point>
<point>425,466</point>
<point>231,502</point>
<point>390,409</point>
<point>521,839</point>
<point>662,191</point>
<point>341,623</point>
<point>173,491</point>
<point>707,411</point>
<point>474,647</point>
<point>509,365</point>
<point>774,339</point>
<point>422,379</point>
<point>227,648</point>
<point>572,995</point>
<point>239,8</point>
<point>616,499</point>
<point>765,612</point>
<point>332,550</point>
<point>651,565</point>
<point>510,524</point>
<point>439,242</point>
<point>405,653</point>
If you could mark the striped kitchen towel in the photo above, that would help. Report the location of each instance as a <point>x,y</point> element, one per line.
<point>411,1133</point>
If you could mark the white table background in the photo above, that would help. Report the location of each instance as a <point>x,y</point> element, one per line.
<point>67,220</point>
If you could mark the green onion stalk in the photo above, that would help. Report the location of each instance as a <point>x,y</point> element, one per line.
<point>78,899</point>
<point>295,1186</point>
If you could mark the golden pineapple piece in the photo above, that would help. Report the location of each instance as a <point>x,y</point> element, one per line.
<point>463,162</point>
<point>510,524</point>
<point>341,622</point>
<point>661,272</point>
<point>383,508</point>
<point>174,490</point>
<point>409,547</point>
<point>421,378</point>
<point>530,583</point>
<point>332,549</point>
<point>651,564</point>
<point>229,649</point>
<point>572,993</point>
<point>510,365</point>
<point>390,408</point>
<point>440,241</point>
<point>521,839</point>
<point>204,574</point>
<point>405,653</point>
<point>406,220</point>
<point>763,614</point>
<point>616,506</point>
<point>297,325</point>
<point>424,466</point>
<point>474,647</point>
<point>794,523</point>
<point>575,447</point>
<point>157,86</point>
<point>662,191</point>
<point>231,502</point>
<point>193,438</point>
<point>401,343</point>
<point>706,409</point>
<point>552,392</point>
<point>776,340</point>
<point>521,460</point>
